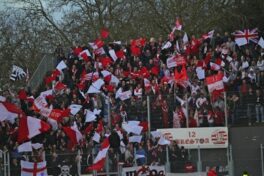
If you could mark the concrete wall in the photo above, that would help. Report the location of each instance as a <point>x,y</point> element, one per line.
<point>246,149</point>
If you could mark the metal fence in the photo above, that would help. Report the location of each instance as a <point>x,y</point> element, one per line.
<point>4,163</point>
<point>47,64</point>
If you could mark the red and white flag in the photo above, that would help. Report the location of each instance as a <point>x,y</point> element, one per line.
<point>33,169</point>
<point>208,35</point>
<point>39,103</point>
<point>113,54</point>
<point>73,133</point>
<point>59,86</point>
<point>85,54</point>
<point>176,60</point>
<point>30,127</point>
<point>9,111</point>
<point>61,66</point>
<point>215,82</point>
<point>243,37</point>
<point>215,85</point>
<point>125,95</point>
<point>99,160</point>
<point>147,84</point>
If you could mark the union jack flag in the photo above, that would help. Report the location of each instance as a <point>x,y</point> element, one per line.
<point>249,35</point>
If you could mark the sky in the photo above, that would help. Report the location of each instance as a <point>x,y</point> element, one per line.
<point>13,3</point>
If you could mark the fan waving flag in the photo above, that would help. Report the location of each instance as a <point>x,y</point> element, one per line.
<point>17,73</point>
<point>208,35</point>
<point>215,85</point>
<point>73,133</point>
<point>30,127</point>
<point>33,169</point>
<point>9,111</point>
<point>243,37</point>
<point>99,160</point>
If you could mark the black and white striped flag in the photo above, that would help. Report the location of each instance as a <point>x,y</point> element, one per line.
<point>17,73</point>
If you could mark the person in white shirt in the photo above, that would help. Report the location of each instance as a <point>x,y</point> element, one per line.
<point>260,64</point>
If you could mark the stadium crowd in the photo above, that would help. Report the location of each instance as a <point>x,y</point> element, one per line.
<point>140,68</point>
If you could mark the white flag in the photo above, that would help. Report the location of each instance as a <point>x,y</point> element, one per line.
<point>25,147</point>
<point>33,169</point>
<point>96,137</point>
<point>185,38</point>
<point>135,139</point>
<point>61,66</point>
<point>113,54</point>
<point>261,42</point>
<point>163,141</point>
<point>75,108</point>
<point>241,41</point>
<point>90,116</point>
<point>167,45</point>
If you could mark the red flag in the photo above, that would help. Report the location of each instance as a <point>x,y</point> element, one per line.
<point>73,133</point>
<point>181,73</point>
<point>135,51</point>
<point>77,50</point>
<point>120,54</point>
<point>22,94</point>
<point>99,43</point>
<point>106,61</point>
<point>89,128</point>
<point>104,33</point>
<point>144,124</point>
<point>100,126</point>
<point>59,86</point>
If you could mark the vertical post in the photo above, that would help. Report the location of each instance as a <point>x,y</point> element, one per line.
<point>108,111</point>
<point>187,112</point>
<point>225,100</point>
<point>8,163</point>
<point>107,165</point>
<point>149,124</point>
<point>262,159</point>
<point>199,162</point>
<point>5,166</point>
<point>79,162</point>
<point>135,159</point>
<point>167,160</point>
<point>231,162</point>
<point>120,168</point>
<point>93,153</point>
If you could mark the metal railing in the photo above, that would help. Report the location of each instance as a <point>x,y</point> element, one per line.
<point>47,64</point>
<point>4,163</point>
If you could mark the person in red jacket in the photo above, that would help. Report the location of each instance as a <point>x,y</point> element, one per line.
<point>212,172</point>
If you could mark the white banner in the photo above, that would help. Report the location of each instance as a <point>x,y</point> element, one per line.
<point>191,138</point>
<point>144,170</point>
<point>171,62</point>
